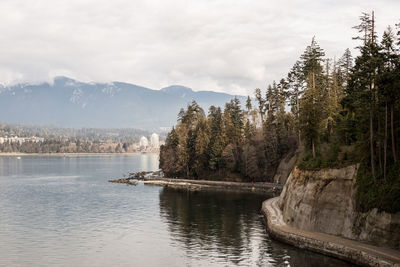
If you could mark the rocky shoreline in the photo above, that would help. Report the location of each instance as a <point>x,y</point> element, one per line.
<point>265,188</point>
<point>156,179</point>
<point>123,181</point>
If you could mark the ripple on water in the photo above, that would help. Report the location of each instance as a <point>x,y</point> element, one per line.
<point>63,212</point>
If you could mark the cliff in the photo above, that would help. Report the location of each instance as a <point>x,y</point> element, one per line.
<point>323,201</point>
<point>285,167</point>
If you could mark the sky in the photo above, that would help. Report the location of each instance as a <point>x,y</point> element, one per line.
<point>231,46</point>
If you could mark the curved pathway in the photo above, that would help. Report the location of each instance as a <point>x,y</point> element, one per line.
<point>346,249</point>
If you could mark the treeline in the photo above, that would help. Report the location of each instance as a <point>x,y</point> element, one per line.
<point>342,111</point>
<point>371,112</point>
<point>228,143</point>
<point>117,135</point>
<point>57,146</point>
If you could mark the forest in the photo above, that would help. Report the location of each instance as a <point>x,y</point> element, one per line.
<point>65,146</point>
<point>331,112</point>
<point>70,140</point>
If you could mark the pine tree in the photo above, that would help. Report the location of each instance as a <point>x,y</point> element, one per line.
<point>362,88</point>
<point>248,104</point>
<point>388,88</point>
<point>216,144</point>
<point>345,64</point>
<point>295,84</point>
<point>233,117</point>
<point>310,104</point>
<point>201,143</point>
<point>261,103</point>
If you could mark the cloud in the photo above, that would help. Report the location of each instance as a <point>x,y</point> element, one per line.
<point>222,45</point>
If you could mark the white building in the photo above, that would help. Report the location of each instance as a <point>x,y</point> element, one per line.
<point>20,140</point>
<point>143,142</point>
<point>155,140</point>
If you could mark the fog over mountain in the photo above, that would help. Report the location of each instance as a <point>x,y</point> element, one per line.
<point>70,103</point>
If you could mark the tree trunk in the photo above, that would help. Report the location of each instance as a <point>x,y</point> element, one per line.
<point>299,138</point>
<point>392,130</point>
<point>313,149</point>
<point>298,115</point>
<point>385,143</point>
<point>371,136</point>
<point>371,127</point>
<point>379,146</point>
<point>313,80</point>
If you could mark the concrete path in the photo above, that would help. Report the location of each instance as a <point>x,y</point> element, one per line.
<point>346,249</point>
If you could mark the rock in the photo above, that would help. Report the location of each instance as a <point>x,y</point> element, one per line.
<point>323,201</point>
<point>123,181</point>
<point>285,167</point>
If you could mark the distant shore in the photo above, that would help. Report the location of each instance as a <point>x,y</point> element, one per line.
<point>16,154</point>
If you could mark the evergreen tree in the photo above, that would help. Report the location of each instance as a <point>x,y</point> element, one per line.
<point>295,84</point>
<point>234,129</point>
<point>261,103</point>
<point>388,88</point>
<point>345,64</point>
<point>362,85</point>
<point>311,103</point>
<point>216,144</point>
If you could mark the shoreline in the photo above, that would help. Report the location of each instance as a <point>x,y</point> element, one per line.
<point>18,154</point>
<point>330,245</point>
<point>195,185</point>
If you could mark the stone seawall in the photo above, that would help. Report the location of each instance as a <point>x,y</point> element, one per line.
<point>324,201</point>
<point>264,188</point>
<point>331,245</point>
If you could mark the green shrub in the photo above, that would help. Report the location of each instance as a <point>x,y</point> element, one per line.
<point>332,156</point>
<point>382,194</point>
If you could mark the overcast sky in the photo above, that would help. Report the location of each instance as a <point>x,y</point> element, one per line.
<point>226,45</point>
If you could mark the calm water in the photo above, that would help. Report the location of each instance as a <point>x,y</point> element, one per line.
<point>61,211</point>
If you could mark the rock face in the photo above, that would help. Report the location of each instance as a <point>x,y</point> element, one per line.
<point>323,201</point>
<point>285,167</point>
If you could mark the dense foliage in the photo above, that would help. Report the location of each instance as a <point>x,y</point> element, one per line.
<point>115,135</point>
<point>61,146</point>
<point>230,144</point>
<point>341,112</point>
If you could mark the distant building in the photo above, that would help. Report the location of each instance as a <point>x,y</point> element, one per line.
<point>20,140</point>
<point>143,142</point>
<point>155,140</point>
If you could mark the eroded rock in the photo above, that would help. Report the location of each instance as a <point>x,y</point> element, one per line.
<point>323,201</point>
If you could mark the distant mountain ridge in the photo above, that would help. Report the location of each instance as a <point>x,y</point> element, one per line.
<point>71,103</point>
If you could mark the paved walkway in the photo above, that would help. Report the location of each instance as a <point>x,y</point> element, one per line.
<point>350,250</point>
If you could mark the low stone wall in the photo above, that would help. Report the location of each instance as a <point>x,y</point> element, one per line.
<point>349,250</point>
<point>265,188</point>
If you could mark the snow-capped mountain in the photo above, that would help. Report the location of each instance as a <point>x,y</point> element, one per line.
<point>70,103</point>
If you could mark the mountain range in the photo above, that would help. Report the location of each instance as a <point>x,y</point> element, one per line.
<point>70,103</point>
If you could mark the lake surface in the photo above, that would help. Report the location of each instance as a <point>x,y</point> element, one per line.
<point>61,211</point>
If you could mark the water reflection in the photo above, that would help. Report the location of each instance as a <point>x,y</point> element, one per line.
<point>226,228</point>
<point>149,161</point>
<point>61,211</point>
<point>10,164</point>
